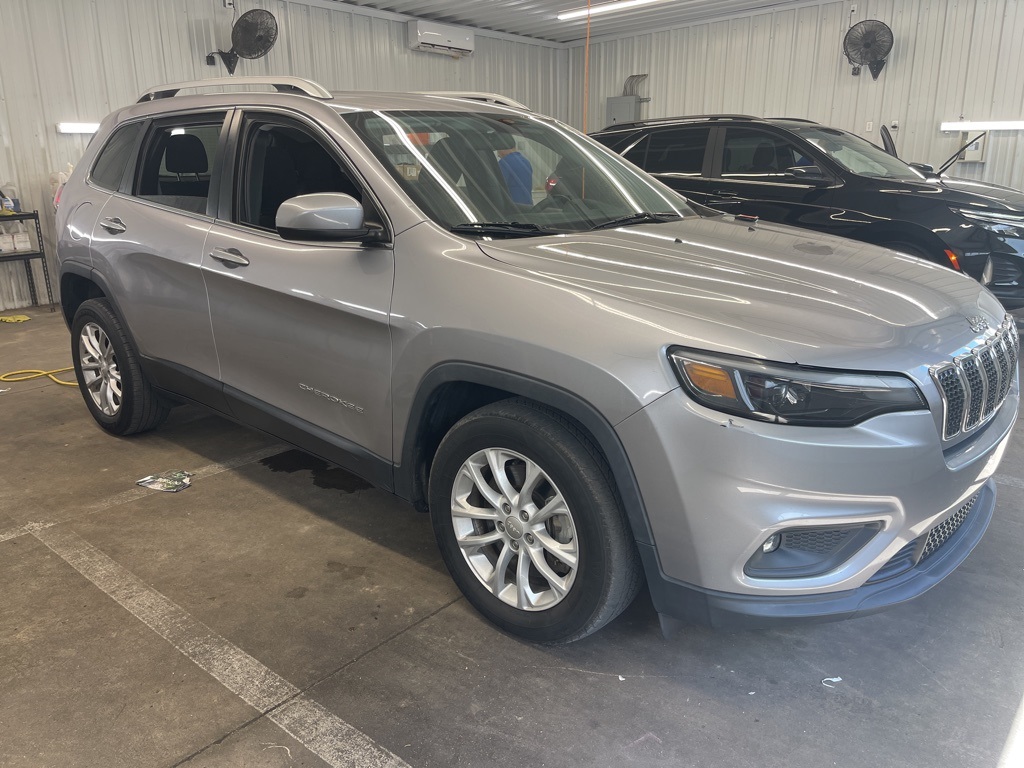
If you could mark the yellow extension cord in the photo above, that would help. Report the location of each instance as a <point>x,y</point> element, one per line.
<point>29,375</point>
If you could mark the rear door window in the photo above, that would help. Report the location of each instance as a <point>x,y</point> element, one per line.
<point>177,162</point>
<point>110,165</point>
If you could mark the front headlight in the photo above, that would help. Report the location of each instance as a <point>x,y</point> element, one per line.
<point>791,394</point>
<point>1011,224</point>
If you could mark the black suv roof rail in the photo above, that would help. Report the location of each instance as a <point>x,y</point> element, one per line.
<point>679,119</point>
<point>696,119</point>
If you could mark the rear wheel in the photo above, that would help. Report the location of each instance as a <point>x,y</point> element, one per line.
<point>529,523</point>
<point>109,375</point>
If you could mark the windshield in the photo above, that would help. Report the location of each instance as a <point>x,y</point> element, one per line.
<point>509,175</point>
<point>858,155</point>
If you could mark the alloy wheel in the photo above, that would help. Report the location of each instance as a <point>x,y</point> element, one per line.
<point>514,529</point>
<point>100,374</point>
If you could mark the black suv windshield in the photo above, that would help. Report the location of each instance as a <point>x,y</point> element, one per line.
<point>501,175</point>
<point>858,155</point>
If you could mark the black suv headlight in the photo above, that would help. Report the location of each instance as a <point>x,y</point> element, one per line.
<point>791,394</point>
<point>1007,224</point>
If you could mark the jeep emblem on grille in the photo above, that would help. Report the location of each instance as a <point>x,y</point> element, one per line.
<point>977,323</point>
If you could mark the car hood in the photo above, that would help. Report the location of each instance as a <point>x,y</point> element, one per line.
<point>961,192</point>
<point>766,291</point>
<point>992,195</point>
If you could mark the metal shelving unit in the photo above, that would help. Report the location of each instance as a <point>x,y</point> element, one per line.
<point>27,257</point>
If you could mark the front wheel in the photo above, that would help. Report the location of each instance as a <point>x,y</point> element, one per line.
<point>529,523</point>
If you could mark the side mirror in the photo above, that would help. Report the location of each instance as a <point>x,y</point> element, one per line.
<point>927,170</point>
<point>328,216</point>
<point>808,173</point>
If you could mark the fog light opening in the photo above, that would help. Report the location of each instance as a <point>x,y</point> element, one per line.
<point>803,552</point>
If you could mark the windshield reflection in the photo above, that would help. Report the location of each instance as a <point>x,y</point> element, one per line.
<point>858,155</point>
<point>505,175</point>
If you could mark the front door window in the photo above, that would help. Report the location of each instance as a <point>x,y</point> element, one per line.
<point>753,155</point>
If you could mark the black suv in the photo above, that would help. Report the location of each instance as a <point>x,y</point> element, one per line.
<point>801,173</point>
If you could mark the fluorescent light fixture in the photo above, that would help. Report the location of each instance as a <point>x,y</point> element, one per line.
<point>77,127</point>
<point>594,10</point>
<point>984,125</point>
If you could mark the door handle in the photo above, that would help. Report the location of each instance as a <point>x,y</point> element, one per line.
<point>229,257</point>
<point>725,193</point>
<point>114,225</point>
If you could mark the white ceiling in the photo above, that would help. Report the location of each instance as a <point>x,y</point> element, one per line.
<point>536,18</point>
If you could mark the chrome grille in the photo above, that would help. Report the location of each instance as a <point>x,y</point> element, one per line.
<point>975,384</point>
<point>952,390</point>
<point>988,362</point>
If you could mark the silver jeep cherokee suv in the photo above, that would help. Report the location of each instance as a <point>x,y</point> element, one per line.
<point>587,387</point>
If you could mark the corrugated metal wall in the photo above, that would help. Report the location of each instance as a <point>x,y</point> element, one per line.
<point>77,60</point>
<point>950,58</point>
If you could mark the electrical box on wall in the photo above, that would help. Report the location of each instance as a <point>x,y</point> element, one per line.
<point>622,109</point>
<point>974,152</point>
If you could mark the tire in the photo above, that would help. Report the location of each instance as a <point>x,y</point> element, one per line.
<point>551,580</point>
<point>110,378</point>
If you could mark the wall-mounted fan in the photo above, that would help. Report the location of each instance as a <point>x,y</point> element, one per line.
<point>868,42</point>
<point>252,37</point>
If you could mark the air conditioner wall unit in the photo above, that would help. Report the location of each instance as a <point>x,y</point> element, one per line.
<point>441,38</point>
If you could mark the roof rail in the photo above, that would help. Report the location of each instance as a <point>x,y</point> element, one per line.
<point>679,119</point>
<point>283,84</point>
<point>794,120</point>
<point>490,98</point>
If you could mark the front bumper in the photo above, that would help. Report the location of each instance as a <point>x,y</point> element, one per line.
<point>723,610</point>
<point>715,489</point>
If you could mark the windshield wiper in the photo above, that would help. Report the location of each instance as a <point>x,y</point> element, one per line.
<point>513,228</point>
<point>643,217</point>
<point>955,156</point>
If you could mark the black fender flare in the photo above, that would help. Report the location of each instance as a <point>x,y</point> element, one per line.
<point>96,277</point>
<point>882,233</point>
<point>92,275</point>
<point>539,391</point>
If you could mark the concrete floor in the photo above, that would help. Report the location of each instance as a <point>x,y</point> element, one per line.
<point>338,590</point>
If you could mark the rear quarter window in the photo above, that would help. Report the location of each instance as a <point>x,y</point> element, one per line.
<point>108,170</point>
